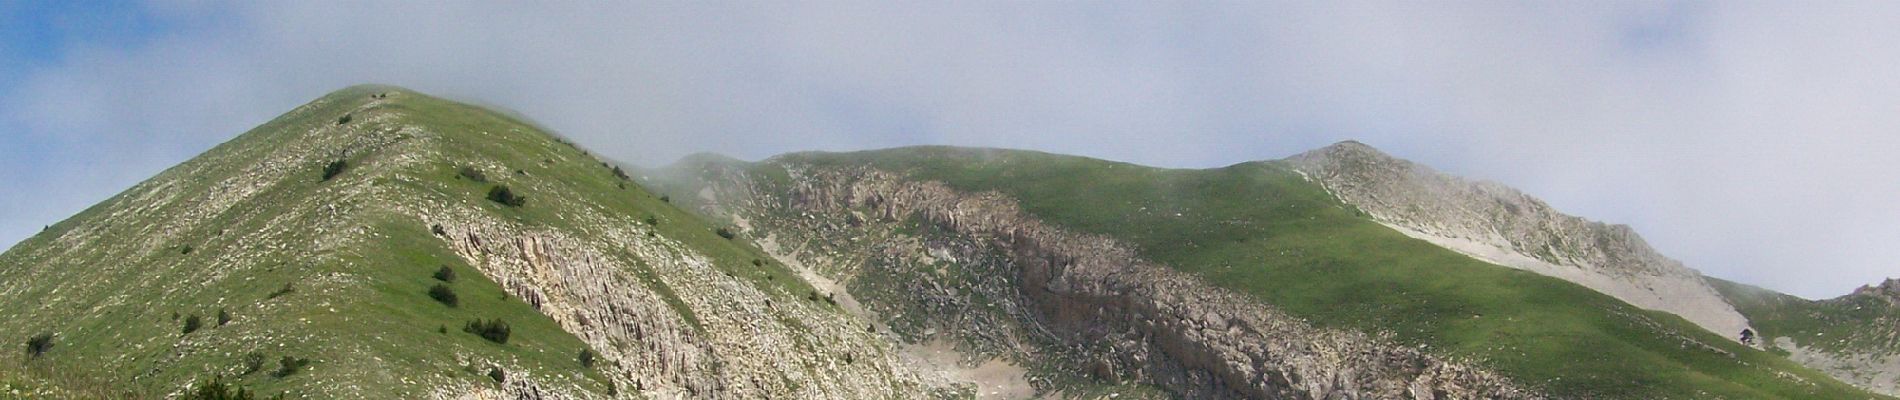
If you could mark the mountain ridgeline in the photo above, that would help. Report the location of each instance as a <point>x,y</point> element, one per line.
<point>382,243</point>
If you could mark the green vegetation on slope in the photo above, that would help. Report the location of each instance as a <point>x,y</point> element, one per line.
<point>323,206</point>
<point>1851,324</point>
<point>1258,228</point>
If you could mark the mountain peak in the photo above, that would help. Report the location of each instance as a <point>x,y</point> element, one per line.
<point>1351,154</point>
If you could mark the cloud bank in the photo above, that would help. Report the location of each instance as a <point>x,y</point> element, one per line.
<point>1751,141</point>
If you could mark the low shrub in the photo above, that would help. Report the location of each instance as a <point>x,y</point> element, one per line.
<point>39,344</point>
<point>587,357</point>
<point>216,389</point>
<point>334,168</point>
<point>287,289</point>
<point>192,323</point>
<point>495,330</point>
<point>445,274</point>
<point>288,366</point>
<point>725,233</point>
<point>442,293</point>
<point>253,362</point>
<point>497,374</point>
<point>224,317</point>
<point>343,119</point>
<point>501,194</point>
<point>472,174</point>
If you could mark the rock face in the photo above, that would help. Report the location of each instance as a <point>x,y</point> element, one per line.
<point>1500,225</point>
<point>975,269</point>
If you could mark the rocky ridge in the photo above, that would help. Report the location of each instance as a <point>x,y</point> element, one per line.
<point>1079,304</point>
<point>1501,225</point>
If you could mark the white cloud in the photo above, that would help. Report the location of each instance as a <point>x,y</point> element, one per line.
<point>1750,142</point>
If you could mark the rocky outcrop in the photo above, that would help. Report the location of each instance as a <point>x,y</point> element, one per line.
<point>1501,225</point>
<point>1888,291</point>
<point>1086,304</point>
<point>738,342</point>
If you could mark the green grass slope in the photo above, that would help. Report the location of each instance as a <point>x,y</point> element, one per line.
<point>1259,228</point>
<point>231,228</point>
<point>1853,324</point>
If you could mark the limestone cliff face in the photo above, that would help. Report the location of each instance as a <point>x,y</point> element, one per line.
<point>975,269</point>
<point>1498,224</point>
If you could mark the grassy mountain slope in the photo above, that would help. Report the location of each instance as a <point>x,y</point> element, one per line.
<point>338,270</point>
<point>1260,229</point>
<point>1854,337</point>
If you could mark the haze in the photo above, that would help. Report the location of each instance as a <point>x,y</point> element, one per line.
<point>1754,141</point>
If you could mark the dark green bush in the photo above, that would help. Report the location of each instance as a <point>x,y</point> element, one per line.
<point>443,294</point>
<point>651,221</point>
<point>445,274</point>
<point>192,323</point>
<point>618,173</point>
<point>39,344</point>
<point>289,366</point>
<point>501,194</point>
<point>343,119</point>
<point>472,174</point>
<point>186,250</point>
<point>587,357</point>
<point>725,233</point>
<point>334,168</point>
<point>494,330</point>
<point>224,317</point>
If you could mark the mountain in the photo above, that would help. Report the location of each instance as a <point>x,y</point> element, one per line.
<point>320,234</point>
<point>1855,338</point>
<point>1500,225</point>
<point>382,243</point>
<point>1248,281</point>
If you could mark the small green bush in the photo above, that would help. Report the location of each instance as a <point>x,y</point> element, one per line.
<point>501,194</point>
<point>343,119</point>
<point>443,294</point>
<point>472,174</point>
<point>445,274</point>
<point>496,374</point>
<point>253,362</point>
<point>651,221</point>
<point>186,250</point>
<point>495,330</point>
<point>287,289</point>
<point>618,173</point>
<point>289,366</point>
<point>334,168</point>
<point>192,323</point>
<point>725,233</point>
<point>224,317</point>
<point>39,344</point>
<point>587,358</point>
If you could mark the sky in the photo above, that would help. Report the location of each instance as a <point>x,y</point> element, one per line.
<point>1755,141</point>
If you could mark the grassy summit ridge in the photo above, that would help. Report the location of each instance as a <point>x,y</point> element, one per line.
<point>236,226</point>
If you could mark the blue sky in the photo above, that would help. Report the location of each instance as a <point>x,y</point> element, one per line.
<point>1749,140</point>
